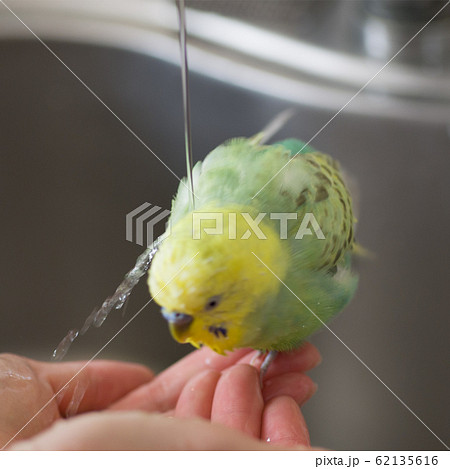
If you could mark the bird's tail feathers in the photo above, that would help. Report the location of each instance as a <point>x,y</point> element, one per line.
<point>361,251</point>
<point>274,126</point>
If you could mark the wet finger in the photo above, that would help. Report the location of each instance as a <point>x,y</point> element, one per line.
<point>196,398</point>
<point>91,386</point>
<point>238,401</point>
<point>283,423</point>
<point>303,359</point>
<point>298,386</point>
<point>163,392</point>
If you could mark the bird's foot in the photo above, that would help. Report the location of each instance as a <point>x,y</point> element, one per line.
<point>269,358</point>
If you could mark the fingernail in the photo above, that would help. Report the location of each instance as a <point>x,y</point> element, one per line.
<point>312,390</point>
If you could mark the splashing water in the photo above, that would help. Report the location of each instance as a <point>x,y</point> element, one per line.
<point>77,397</point>
<point>116,301</point>
<point>123,291</point>
<point>63,346</point>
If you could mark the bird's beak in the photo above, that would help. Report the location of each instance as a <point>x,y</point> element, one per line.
<point>179,323</point>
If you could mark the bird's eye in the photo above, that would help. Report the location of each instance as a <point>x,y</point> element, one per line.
<point>212,302</point>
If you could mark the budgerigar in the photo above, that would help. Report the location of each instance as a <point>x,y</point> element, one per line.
<point>240,270</point>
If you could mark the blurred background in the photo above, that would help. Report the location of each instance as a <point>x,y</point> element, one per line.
<point>70,172</point>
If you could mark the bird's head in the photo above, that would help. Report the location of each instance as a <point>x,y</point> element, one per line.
<point>213,273</point>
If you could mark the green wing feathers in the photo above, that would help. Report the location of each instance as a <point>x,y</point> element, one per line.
<point>306,181</point>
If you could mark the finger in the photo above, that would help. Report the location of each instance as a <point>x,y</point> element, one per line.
<point>91,386</point>
<point>136,431</point>
<point>302,359</point>
<point>283,423</point>
<point>196,398</point>
<point>26,407</point>
<point>163,392</point>
<point>298,386</point>
<point>238,400</point>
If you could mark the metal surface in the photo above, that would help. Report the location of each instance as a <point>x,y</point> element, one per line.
<point>248,56</point>
<point>70,172</point>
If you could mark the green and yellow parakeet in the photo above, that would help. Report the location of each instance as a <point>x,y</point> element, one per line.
<point>244,268</point>
<point>241,270</point>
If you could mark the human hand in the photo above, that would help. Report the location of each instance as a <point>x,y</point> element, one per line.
<point>223,389</point>
<point>226,390</point>
<point>33,398</point>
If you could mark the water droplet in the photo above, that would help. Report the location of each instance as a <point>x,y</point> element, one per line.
<point>64,345</point>
<point>123,291</point>
<point>77,397</point>
<point>14,375</point>
<point>88,323</point>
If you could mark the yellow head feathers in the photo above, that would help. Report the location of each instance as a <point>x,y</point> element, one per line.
<point>208,279</point>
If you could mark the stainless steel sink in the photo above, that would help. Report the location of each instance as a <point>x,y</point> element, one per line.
<point>71,171</point>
